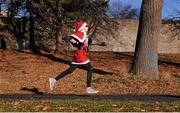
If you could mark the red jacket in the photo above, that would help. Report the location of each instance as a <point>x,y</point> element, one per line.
<point>80,55</point>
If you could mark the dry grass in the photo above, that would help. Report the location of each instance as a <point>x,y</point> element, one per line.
<point>25,70</point>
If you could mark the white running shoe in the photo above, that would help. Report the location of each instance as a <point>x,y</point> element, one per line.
<point>90,90</point>
<point>52,83</point>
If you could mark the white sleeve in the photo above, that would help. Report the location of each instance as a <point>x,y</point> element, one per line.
<point>86,41</point>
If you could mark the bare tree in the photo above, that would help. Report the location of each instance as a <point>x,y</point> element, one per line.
<point>121,11</point>
<point>175,21</point>
<point>173,18</point>
<point>146,51</point>
<point>16,24</point>
<point>58,14</point>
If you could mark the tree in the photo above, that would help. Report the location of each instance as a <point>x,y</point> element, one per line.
<point>121,11</point>
<point>16,18</point>
<point>58,14</point>
<point>47,19</point>
<point>146,51</point>
<point>15,24</point>
<point>175,21</point>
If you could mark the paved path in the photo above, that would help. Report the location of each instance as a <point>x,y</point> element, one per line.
<point>144,98</point>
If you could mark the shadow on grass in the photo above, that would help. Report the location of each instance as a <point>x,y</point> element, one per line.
<point>127,56</point>
<point>163,62</point>
<point>130,57</point>
<point>55,59</point>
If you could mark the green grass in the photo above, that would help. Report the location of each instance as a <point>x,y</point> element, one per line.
<point>86,106</point>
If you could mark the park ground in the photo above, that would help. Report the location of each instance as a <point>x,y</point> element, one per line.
<point>27,73</point>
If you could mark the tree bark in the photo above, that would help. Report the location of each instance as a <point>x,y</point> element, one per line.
<point>33,47</point>
<point>58,34</point>
<point>58,41</point>
<point>146,51</point>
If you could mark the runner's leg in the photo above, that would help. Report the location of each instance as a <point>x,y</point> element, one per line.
<point>89,69</point>
<point>66,72</point>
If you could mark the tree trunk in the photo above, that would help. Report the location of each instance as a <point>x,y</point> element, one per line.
<point>58,34</point>
<point>58,41</point>
<point>31,29</point>
<point>0,6</point>
<point>3,44</point>
<point>19,36</point>
<point>146,51</point>
<point>32,45</point>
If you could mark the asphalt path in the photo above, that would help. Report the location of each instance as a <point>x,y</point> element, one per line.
<point>144,98</point>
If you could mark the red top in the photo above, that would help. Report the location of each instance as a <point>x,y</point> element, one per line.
<point>80,55</point>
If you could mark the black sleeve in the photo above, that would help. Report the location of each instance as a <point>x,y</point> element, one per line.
<point>67,38</point>
<point>78,45</point>
<point>89,41</point>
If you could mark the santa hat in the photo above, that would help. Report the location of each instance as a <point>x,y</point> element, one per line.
<point>79,25</point>
<point>79,35</point>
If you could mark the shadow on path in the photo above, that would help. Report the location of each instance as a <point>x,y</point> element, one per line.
<point>32,90</point>
<point>144,98</point>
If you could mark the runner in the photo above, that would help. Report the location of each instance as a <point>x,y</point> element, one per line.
<point>80,41</point>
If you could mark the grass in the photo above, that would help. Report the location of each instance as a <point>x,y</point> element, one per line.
<point>107,78</point>
<point>32,71</point>
<point>87,106</point>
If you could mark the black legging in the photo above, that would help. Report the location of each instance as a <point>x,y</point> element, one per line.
<point>87,66</point>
